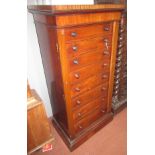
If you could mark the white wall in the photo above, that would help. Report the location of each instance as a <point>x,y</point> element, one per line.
<point>59,2</point>
<point>70,2</point>
<point>35,72</point>
<point>35,2</point>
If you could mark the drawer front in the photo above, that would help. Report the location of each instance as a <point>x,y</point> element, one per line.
<point>80,113</point>
<point>81,100</point>
<point>88,120</point>
<point>87,59</point>
<point>81,32</point>
<point>85,72</point>
<point>75,48</point>
<point>88,84</point>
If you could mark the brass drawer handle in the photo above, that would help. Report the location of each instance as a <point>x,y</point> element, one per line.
<point>104,76</point>
<point>106,53</point>
<point>103,99</point>
<point>105,65</point>
<point>79,114</point>
<point>78,102</point>
<point>75,48</point>
<point>77,89</point>
<point>80,127</point>
<point>75,62</point>
<point>106,28</point>
<point>103,88</point>
<point>102,110</point>
<point>77,76</point>
<point>73,34</point>
<point>106,40</point>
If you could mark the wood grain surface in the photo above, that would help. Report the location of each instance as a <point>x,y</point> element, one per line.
<point>70,8</point>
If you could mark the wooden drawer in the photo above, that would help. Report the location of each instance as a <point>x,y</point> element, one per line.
<point>87,59</point>
<point>88,71</point>
<point>88,84</point>
<point>81,100</point>
<point>89,119</point>
<point>80,113</point>
<point>81,32</point>
<point>75,48</point>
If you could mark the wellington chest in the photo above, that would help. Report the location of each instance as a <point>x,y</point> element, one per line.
<point>78,48</point>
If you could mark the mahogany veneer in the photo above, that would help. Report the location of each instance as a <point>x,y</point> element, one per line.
<point>78,47</point>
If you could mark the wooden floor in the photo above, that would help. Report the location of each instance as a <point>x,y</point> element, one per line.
<point>111,140</point>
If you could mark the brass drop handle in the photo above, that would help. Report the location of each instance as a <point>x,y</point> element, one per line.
<point>103,99</point>
<point>103,89</point>
<point>102,110</point>
<point>104,76</point>
<point>75,48</point>
<point>77,76</point>
<point>77,89</point>
<point>106,43</point>
<point>106,53</point>
<point>106,28</point>
<point>75,62</point>
<point>73,34</point>
<point>105,64</point>
<point>79,114</point>
<point>78,102</point>
<point>106,40</point>
<point>80,127</point>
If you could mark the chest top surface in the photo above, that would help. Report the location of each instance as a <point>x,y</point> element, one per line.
<point>66,9</point>
<point>70,15</point>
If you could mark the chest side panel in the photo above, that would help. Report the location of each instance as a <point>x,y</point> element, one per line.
<point>47,38</point>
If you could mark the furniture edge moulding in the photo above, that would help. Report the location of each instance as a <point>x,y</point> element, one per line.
<point>73,9</point>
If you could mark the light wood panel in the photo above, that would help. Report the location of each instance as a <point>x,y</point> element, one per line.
<point>38,127</point>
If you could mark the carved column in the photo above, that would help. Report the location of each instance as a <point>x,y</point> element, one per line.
<point>120,84</point>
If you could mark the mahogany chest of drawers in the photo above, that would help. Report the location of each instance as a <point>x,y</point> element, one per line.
<point>78,47</point>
